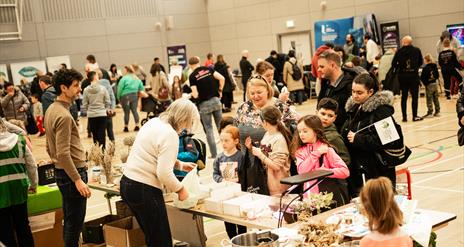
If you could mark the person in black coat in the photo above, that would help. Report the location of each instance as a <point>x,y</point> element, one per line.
<point>278,61</point>
<point>407,61</point>
<point>227,92</point>
<point>366,106</point>
<point>335,83</point>
<point>246,68</point>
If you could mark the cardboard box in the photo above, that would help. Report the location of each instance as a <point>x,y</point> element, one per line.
<point>50,237</point>
<point>215,205</point>
<point>92,231</point>
<point>236,206</point>
<point>122,209</point>
<point>125,232</point>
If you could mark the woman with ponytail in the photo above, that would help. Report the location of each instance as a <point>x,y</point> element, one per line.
<point>384,215</point>
<point>310,147</point>
<point>273,150</point>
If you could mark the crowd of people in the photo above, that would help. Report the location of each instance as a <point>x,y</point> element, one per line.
<point>265,131</point>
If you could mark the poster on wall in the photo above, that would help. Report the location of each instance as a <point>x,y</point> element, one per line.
<point>390,35</point>
<point>4,72</point>
<point>53,63</point>
<point>26,70</point>
<point>333,31</point>
<point>457,31</point>
<point>177,53</point>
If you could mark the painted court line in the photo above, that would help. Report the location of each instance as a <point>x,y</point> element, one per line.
<point>435,163</point>
<point>439,189</point>
<point>437,176</point>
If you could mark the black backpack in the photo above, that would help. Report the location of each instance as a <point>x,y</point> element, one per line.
<point>297,75</point>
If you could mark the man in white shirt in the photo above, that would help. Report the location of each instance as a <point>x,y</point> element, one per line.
<point>372,50</point>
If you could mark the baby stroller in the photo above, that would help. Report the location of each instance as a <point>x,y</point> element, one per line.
<point>153,107</point>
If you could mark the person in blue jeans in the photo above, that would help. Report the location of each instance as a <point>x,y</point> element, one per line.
<point>65,148</point>
<point>207,85</point>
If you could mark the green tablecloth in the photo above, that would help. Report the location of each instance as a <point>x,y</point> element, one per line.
<point>46,199</point>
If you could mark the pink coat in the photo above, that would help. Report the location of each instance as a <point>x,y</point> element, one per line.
<point>307,159</point>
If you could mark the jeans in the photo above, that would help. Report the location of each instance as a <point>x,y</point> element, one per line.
<point>109,128</point>
<point>409,83</point>
<point>297,96</point>
<point>208,109</point>
<point>74,206</point>
<point>97,127</point>
<point>431,91</point>
<point>234,229</point>
<point>129,104</point>
<point>147,204</point>
<point>447,74</point>
<point>15,220</point>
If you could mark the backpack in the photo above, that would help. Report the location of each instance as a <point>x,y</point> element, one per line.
<point>297,75</point>
<point>190,150</point>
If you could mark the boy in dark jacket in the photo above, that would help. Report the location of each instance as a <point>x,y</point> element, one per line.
<point>327,111</point>
<point>449,63</point>
<point>429,78</point>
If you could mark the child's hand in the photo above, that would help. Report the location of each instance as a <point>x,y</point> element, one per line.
<point>248,143</point>
<point>350,136</point>
<point>323,149</point>
<point>256,151</point>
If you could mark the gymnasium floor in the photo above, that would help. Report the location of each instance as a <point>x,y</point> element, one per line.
<point>436,164</point>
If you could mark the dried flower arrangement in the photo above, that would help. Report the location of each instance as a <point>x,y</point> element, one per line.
<point>319,234</point>
<point>103,159</point>
<point>312,205</point>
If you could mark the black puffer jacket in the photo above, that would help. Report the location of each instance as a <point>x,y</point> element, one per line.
<point>366,142</point>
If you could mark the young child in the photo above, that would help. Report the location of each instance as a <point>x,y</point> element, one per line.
<point>308,146</point>
<point>429,78</point>
<point>226,166</point>
<point>273,151</point>
<point>176,88</point>
<point>38,113</point>
<point>384,215</point>
<point>327,111</point>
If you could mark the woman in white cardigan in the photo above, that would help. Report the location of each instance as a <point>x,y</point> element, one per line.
<point>149,168</point>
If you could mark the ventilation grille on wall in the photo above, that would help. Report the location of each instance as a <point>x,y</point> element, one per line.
<point>58,10</point>
<point>119,8</point>
<point>8,16</point>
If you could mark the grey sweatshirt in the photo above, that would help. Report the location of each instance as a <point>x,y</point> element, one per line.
<point>96,100</point>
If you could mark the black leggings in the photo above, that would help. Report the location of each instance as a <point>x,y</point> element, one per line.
<point>409,84</point>
<point>97,127</point>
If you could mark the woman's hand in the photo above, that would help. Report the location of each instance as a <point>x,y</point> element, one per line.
<point>32,190</point>
<point>284,96</point>
<point>187,166</point>
<point>256,151</point>
<point>182,194</point>
<point>323,149</point>
<point>462,120</point>
<point>350,136</point>
<point>248,143</point>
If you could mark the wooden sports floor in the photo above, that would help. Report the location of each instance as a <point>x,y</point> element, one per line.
<point>436,166</point>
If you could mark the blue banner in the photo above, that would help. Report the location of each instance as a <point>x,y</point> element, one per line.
<point>333,31</point>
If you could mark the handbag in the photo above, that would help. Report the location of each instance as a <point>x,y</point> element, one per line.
<point>394,153</point>
<point>461,136</point>
<point>253,176</point>
<point>338,187</point>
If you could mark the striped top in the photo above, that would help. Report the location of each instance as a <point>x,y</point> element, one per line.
<point>17,170</point>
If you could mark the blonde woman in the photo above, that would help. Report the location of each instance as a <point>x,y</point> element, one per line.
<point>150,166</point>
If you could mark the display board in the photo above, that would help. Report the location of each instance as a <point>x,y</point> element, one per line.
<point>26,70</point>
<point>53,63</point>
<point>457,31</point>
<point>336,30</point>
<point>4,72</point>
<point>177,53</point>
<point>390,35</point>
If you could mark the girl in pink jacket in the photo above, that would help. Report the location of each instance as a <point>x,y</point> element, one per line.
<point>309,145</point>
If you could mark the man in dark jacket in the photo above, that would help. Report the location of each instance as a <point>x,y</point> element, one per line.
<point>277,60</point>
<point>49,93</point>
<point>335,83</point>
<point>407,61</point>
<point>246,68</point>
